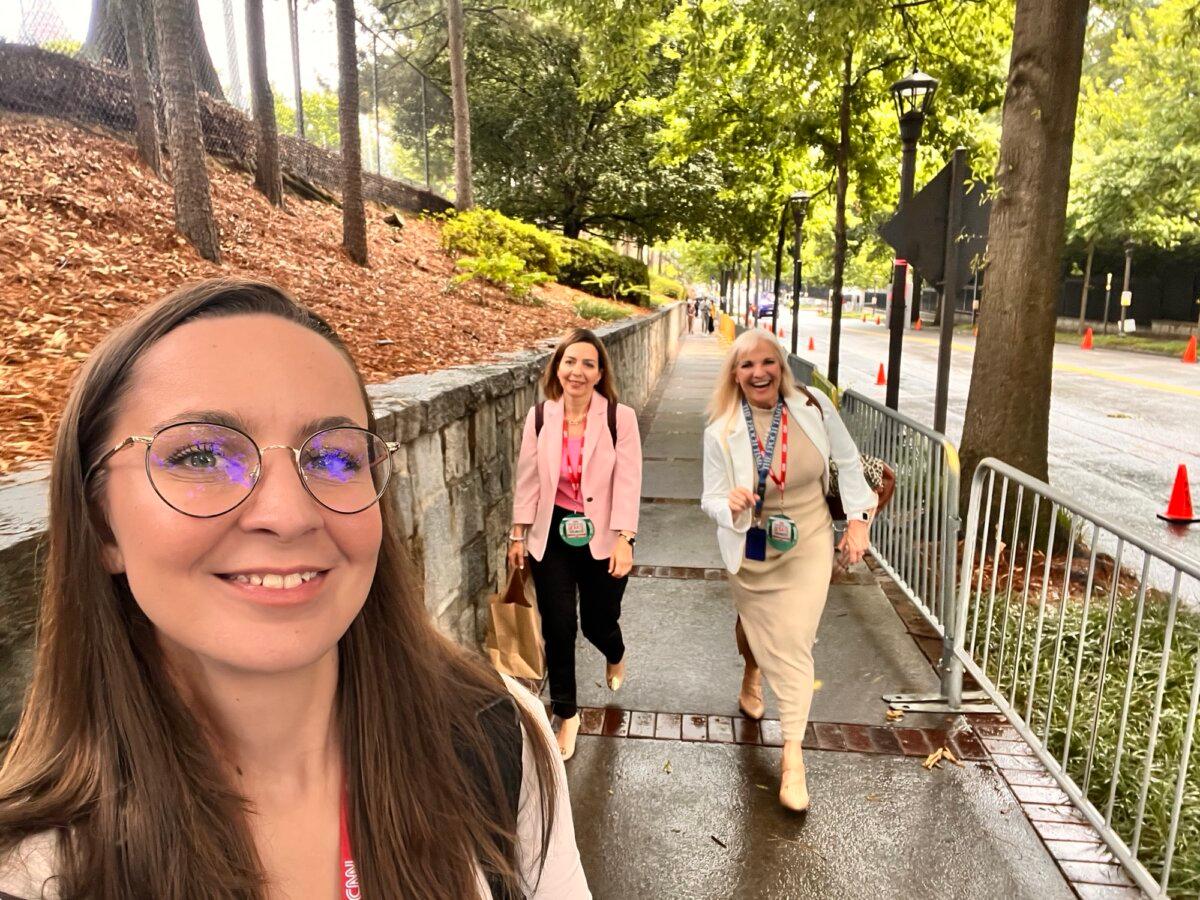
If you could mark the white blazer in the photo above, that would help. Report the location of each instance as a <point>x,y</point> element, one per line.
<point>729,463</point>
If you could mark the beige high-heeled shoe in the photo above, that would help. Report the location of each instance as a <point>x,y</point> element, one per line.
<point>750,698</point>
<point>614,675</point>
<point>793,790</point>
<point>568,731</point>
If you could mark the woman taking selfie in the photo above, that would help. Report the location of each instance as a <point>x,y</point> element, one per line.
<point>575,512</point>
<point>237,693</point>
<point>766,473</point>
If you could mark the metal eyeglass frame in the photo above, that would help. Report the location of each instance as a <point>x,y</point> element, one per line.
<point>391,446</point>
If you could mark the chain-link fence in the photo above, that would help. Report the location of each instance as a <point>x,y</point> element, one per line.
<point>68,58</point>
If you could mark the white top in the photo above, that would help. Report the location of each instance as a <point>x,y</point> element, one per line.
<point>29,871</point>
<point>729,463</point>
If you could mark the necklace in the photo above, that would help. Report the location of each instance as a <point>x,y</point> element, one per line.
<point>577,421</point>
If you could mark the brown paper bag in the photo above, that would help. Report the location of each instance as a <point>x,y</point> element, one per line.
<point>514,638</point>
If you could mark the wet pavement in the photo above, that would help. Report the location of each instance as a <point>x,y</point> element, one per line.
<point>1120,423</point>
<point>688,812</point>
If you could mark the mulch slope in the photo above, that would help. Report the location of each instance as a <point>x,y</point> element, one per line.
<point>87,239</point>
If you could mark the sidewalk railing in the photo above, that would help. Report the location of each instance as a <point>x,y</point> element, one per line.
<point>915,538</point>
<point>1060,622</point>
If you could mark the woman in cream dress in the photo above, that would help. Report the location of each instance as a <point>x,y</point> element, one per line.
<point>779,578</point>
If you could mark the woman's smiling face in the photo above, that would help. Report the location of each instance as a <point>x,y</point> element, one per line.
<point>195,578</point>
<point>758,374</point>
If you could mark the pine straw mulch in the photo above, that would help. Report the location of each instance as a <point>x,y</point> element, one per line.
<point>88,239</point>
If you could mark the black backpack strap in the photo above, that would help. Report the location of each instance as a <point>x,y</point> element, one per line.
<point>539,417</point>
<point>501,724</point>
<point>612,422</point>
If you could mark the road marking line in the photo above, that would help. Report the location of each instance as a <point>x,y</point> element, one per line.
<point>1083,370</point>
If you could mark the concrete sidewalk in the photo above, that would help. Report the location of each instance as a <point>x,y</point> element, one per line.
<point>675,796</point>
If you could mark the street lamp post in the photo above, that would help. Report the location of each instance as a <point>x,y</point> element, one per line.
<point>799,203</point>
<point>779,266</point>
<point>1125,296</point>
<point>1107,298</point>
<point>914,98</point>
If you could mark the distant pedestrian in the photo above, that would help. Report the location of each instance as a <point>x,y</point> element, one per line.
<point>575,513</point>
<point>767,451</point>
<point>712,315</point>
<point>691,314</point>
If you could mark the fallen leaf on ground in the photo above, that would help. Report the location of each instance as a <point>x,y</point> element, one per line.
<point>934,759</point>
<point>894,715</point>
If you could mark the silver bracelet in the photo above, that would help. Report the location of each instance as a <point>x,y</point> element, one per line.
<point>513,539</point>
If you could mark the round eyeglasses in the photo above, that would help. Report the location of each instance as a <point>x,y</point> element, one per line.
<point>203,470</point>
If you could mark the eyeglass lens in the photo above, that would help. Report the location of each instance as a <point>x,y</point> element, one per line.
<point>206,470</point>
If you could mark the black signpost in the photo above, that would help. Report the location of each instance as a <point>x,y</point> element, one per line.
<point>942,233</point>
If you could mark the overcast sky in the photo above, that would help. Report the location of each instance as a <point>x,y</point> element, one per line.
<point>38,21</point>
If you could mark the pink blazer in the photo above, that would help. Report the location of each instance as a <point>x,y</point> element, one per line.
<point>612,476</point>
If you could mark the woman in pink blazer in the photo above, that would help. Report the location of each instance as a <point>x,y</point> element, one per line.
<point>575,513</point>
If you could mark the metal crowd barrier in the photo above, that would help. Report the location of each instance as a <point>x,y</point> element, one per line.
<point>1088,640</point>
<point>915,538</point>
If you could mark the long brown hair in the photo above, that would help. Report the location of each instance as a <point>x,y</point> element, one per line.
<point>552,388</point>
<point>109,756</point>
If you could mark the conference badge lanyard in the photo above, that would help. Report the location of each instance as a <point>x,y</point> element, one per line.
<point>780,530</point>
<point>575,529</point>
<point>350,886</point>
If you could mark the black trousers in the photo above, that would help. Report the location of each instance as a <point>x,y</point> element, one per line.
<point>563,573</point>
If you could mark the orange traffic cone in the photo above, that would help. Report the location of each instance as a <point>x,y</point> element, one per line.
<point>917,325</point>
<point>877,320</point>
<point>811,345</point>
<point>1189,355</point>
<point>1086,344</point>
<point>1179,509</point>
<point>881,378</point>
<point>781,331</point>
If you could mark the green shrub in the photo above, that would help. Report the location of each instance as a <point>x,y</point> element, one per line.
<point>603,272</point>
<point>661,284</point>
<point>485,233</point>
<point>600,309</point>
<point>504,269</point>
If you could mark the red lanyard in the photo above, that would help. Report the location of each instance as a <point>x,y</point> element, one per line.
<point>780,479</point>
<point>350,888</point>
<point>574,466</point>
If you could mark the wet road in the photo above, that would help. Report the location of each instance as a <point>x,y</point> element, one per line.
<point>1120,423</point>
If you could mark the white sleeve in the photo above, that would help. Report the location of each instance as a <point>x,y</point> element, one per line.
<point>562,877</point>
<point>858,500</point>
<point>715,498</point>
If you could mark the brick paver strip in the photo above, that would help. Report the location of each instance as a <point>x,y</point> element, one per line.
<point>1107,892</point>
<point>1080,851</point>
<point>720,730</point>
<point>1054,796</point>
<point>695,728</point>
<point>1041,812</point>
<point>667,726</point>
<point>832,736</point>
<point>687,573</point>
<point>641,725</point>
<point>1096,873</point>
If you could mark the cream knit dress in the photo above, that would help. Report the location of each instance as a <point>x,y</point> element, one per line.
<point>780,599</point>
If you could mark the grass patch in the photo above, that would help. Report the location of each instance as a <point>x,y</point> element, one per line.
<point>1076,633</point>
<point>600,309</point>
<point>1143,343</point>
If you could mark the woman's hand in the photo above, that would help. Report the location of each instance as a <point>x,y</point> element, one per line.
<point>740,500</point>
<point>516,554</point>
<point>854,542</point>
<point>621,561</point>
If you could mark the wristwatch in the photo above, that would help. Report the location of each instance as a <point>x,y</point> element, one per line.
<point>630,540</point>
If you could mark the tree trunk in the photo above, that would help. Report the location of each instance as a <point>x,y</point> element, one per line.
<point>205,72</point>
<point>354,216</point>
<point>185,140</point>
<point>145,106</point>
<point>105,41</point>
<point>267,177</point>
<point>463,189</point>
<point>1087,284</point>
<point>839,221</point>
<point>1008,407</point>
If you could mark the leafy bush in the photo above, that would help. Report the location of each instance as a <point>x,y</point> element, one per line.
<point>485,233</point>
<point>600,309</point>
<point>505,270</point>
<point>669,287</point>
<point>598,270</point>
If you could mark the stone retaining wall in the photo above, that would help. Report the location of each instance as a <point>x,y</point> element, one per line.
<point>460,431</point>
